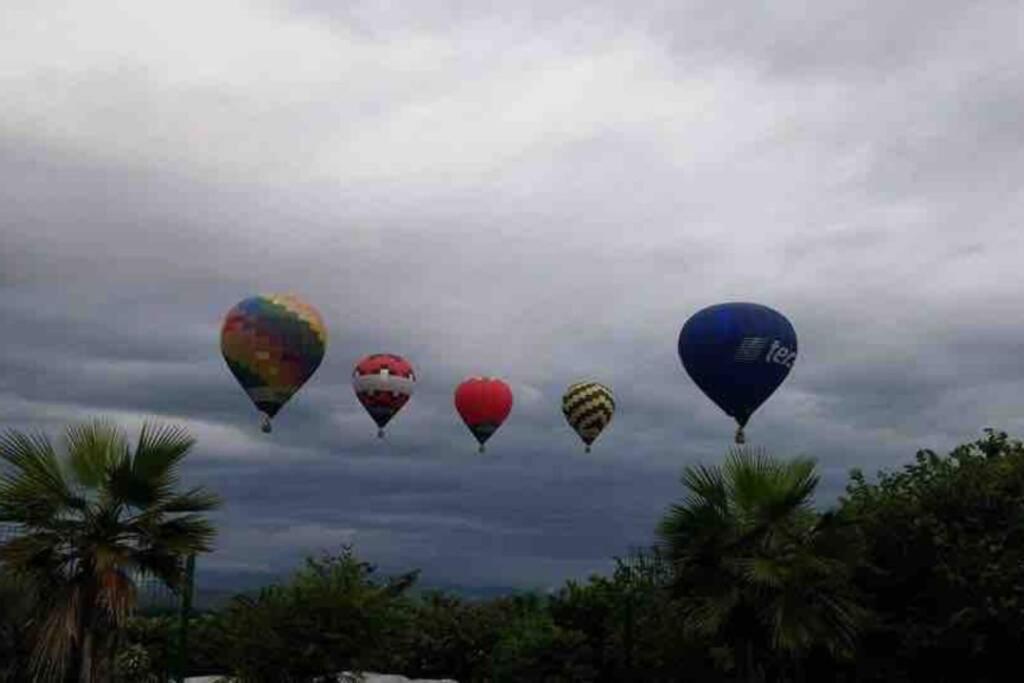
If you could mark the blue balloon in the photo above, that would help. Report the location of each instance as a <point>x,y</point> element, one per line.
<point>738,354</point>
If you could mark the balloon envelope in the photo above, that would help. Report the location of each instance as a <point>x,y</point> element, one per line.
<point>588,407</point>
<point>383,383</point>
<point>272,344</point>
<point>483,403</point>
<point>738,354</point>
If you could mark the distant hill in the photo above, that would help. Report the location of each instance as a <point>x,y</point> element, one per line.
<point>214,590</point>
<point>474,592</point>
<point>204,599</point>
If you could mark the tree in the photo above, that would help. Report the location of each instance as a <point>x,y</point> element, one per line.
<point>757,569</point>
<point>331,616</point>
<point>91,519</point>
<point>450,637</point>
<point>532,647</point>
<point>944,563</point>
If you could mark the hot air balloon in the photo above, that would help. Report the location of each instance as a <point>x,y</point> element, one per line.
<point>738,354</point>
<point>483,403</point>
<point>272,344</point>
<point>588,407</point>
<point>383,382</point>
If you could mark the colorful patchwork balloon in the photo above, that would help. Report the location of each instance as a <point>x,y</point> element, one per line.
<point>483,403</point>
<point>588,407</point>
<point>383,383</point>
<point>272,344</point>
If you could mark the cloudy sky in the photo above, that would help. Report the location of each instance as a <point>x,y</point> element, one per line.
<point>542,191</point>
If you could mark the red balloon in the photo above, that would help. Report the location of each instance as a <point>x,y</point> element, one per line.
<point>483,403</point>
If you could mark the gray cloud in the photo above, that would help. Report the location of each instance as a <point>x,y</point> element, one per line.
<point>543,194</point>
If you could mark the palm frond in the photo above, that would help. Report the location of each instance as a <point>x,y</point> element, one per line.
<point>708,614</point>
<point>126,487</point>
<point>160,449</point>
<point>762,571</point>
<point>705,485</point>
<point>35,486</point>
<point>166,566</point>
<point>750,477</point>
<point>793,625</point>
<point>93,449</point>
<point>35,552</point>
<point>23,504</point>
<point>799,481</point>
<point>194,500</point>
<point>57,634</point>
<point>185,534</point>
<point>148,477</point>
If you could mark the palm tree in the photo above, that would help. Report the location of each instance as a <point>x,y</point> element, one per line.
<point>89,521</point>
<point>757,569</point>
<point>17,600</point>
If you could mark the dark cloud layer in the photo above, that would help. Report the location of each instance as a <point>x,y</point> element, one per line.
<point>543,193</point>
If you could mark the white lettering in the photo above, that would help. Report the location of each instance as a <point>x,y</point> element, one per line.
<point>777,353</point>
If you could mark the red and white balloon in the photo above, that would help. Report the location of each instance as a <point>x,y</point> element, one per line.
<point>383,383</point>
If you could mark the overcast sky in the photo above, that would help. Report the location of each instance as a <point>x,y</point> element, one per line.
<point>542,191</point>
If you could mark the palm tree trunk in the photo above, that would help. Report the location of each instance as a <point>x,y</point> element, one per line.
<point>85,670</point>
<point>628,635</point>
<point>754,673</point>
<point>87,639</point>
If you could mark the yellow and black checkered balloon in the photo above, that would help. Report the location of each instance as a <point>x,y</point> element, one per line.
<point>588,407</point>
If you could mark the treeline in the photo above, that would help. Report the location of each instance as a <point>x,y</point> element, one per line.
<point>916,575</point>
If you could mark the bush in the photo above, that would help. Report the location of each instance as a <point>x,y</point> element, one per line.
<point>332,616</point>
<point>447,637</point>
<point>945,570</point>
<point>133,665</point>
<point>629,624</point>
<point>942,573</point>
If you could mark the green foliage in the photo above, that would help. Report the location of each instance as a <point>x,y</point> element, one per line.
<point>88,521</point>
<point>156,635</point>
<point>945,563</point>
<point>630,623</point>
<point>757,570</point>
<point>332,616</point>
<point>532,647</point>
<point>133,665</point>
<point>916,576</point>
<point>446,636</point>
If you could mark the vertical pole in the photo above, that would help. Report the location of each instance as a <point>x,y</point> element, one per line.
<point>628,635</point>
<point>186,609</point>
